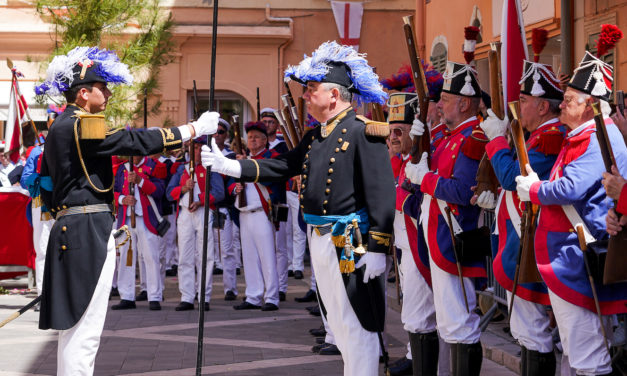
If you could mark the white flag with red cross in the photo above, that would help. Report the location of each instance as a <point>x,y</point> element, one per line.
<point>348,20</point>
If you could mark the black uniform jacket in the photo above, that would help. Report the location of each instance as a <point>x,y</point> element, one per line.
<point>77,247</point>
<point>342,173</point>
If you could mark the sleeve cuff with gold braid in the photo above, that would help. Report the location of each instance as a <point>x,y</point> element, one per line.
<point>379,242</point>
<point>250,170</point>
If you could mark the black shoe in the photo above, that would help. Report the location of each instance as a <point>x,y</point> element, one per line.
<point>246,305</point>
<point>315,311</point>
<point>124,304</point>
<point>318,332</point>
<point>217,271</point>
<point>320,328</point>
<point>392,279</point>
<point>316,349</point>
<point>114,292</point>
<point>238,271</point>
<point>298,274</point>
<point>142,296</point>
<point>207,306</point>
<point>270,307</point>
<point>281,296</point>
<point>184,306</point>
<point>329,350</point>
<point>319,340</point>
<point>171,273</point>
<point>310,296</point>
<point>401,367</point>
<point>229,296</point>
<point>154,306</point>
<point>290,273</point>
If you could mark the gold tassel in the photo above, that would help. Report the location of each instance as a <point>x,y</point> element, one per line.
<point>339,240</point>
<point>129,254</point>
<point>347,266</point>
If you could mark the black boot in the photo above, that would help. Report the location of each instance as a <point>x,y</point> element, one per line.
<point>401,367</point>
<point>424,352</point>
<point>536,363</point>
<point>466,359</point>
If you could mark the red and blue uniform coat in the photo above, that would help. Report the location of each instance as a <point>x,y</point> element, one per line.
<point>152,186</point>
<point>180,178</point>
<point>576,180</point>
<point>622,201</point>
<point>543,146</point>
<point>453,170</point>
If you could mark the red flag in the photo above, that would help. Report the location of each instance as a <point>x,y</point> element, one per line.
<point>16,242</point>
<point>513,49</point>
<point>16,116</point>
<point>348,17</point>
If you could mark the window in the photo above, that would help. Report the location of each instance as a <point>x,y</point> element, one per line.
<point>439,54</point>
<point>227,103</point>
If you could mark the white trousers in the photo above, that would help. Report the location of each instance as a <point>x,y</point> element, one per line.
<point>359,347</point>
<point>223,245</point>
<point>296,237</point>
<point>41,233</point>
<point>529,324</point>
<point>145,244</point>
<point>78,346</point>
<point>190,229</point>
<point>260,261</point>
<point>580,332</point>
<point>237,246</point>
<point>282,259</point>
<point>169,249</point>
<point>455,324</point>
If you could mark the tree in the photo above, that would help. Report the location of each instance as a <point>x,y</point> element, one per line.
<point>138,30</point>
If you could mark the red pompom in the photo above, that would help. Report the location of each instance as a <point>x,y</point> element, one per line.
<point>471,32</point>
<point>539,37</point>
<point>610,35</point>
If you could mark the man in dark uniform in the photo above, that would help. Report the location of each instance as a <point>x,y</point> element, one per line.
<point>80,258</point>
<point>347,189</point>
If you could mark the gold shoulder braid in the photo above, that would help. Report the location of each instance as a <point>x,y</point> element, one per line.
<point>325,130</point>
<point>375,128</point>
<point>80,156</point>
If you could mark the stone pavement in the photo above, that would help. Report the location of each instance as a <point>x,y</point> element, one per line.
<point>163,343</point>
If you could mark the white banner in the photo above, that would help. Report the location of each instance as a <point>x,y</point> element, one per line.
<point>348,17</point>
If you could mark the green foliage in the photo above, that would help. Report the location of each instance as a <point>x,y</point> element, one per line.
<point>138,30</point>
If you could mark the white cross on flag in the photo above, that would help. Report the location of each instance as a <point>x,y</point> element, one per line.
<point>348,20</point>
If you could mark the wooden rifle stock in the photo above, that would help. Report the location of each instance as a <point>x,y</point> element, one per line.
<point>616,257</point>
<point>293,109</point>
<point>421,144</point>
<point>289,121</point>
<point>238,148</point>
<point>377,113</point>
<point>283,125</point>
<point>486,177</point>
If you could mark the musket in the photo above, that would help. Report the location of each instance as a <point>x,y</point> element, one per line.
<point>131,191</point>
<point>192,154</point>
<point>258,106</point>
<point>239,149</point>
<point>206,229</point>
<point>283,126</point>
<point>293,110</point>
<point>289,121</point>
<point>620,105</point>
<point>421,144</point>
<point>457,257</point>
<point>486,177</point>
<point>616,257</point>
<point>584,248</point>
<point>377,113</point>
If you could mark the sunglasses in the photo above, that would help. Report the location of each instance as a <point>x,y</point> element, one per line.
<point>221,131</point>
<point>398,132</point>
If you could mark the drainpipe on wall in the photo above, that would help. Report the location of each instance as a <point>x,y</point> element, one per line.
<point>421,26</point>
<point>566,29</point>
<point>281,47</point>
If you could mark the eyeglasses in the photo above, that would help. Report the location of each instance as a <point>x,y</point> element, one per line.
<point>221,131</point>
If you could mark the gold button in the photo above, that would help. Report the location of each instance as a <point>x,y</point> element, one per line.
<point>305,176</point>
<point>309,147</point>
<point>302,197</point>
<point>571,230</point>
<point>324,211</point>
<point>327,191</point>
<point>328,181</point>
<point>58,208</point>
<point>337,150</point>
<point>64,228</point>
<point>304,166</point>
<point>453,156</point>
<point>344,130</point>
<point>64,207</point>
<point>63,247</point>
<point>332,160</point>
<point>52,210</point>
<point>302,206</point>
<point>330,171</point>
<point>325,202</point>
<point>302,186</point>
<point>312,138</point>
<point>340,140</point>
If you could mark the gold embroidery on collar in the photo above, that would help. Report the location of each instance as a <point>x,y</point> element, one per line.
<point>326,130</point>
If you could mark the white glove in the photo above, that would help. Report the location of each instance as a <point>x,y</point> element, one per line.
<point>375,264</point>
<point>207,123</point>
<point>494,127</point>
<point>416,172</point>
<point>218,162</point>
<point>524,183</point>
<point>417,129</point>
<point>486,200</point>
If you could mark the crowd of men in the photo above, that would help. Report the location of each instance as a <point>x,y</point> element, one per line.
<point>354,192</point>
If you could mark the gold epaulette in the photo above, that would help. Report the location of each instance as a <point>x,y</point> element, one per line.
<point>92,126</point>
<point>375,128</point>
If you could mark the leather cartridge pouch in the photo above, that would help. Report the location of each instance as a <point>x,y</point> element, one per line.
<point>596,259</point>
<point>163,227</point>
<point>218,220</point>
<point>279,212</point>
<point>473,245</point>
<point>92,127</point>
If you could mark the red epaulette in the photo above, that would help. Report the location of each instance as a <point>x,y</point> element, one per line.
<point>174,167</point>
<point>474,146</point>
<point>550,141</point>
<point>160,170</point>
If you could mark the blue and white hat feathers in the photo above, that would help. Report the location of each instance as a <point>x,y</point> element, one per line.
<point>65,71</point>
<point>348,67</point>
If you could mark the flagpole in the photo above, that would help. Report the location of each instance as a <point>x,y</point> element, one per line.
<point>14,81</point>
